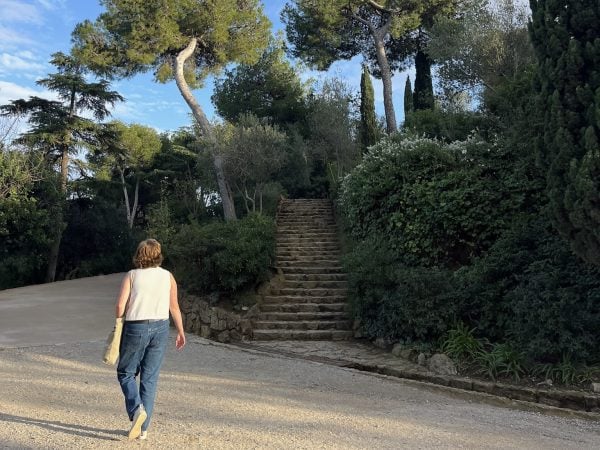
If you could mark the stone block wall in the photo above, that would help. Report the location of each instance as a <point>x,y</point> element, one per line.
<point>212,322</point>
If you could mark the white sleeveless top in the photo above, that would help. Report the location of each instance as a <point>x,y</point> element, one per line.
<point>150,294</point>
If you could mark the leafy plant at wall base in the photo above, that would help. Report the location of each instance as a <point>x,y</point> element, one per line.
<point>461,345</point>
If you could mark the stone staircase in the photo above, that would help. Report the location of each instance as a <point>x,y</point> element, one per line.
<point>310,302</point>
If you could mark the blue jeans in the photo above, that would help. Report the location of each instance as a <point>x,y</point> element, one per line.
<point>141,353</point>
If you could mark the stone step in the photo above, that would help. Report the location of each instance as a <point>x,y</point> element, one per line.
<point>310,270</point>
<point>322,263</point>
<point>323,237</point>
<point>302,307</point>
<point>309,246</point>
<point>309,261</point>
<point>302,335</point>
<point>302,325</point>
<point>306,242</point>
<point>315,277</point>
<point>307,250</point>
<point>306,220</point>
<point>307,227</point>
<point>338,315</point>
<point>305,284</point>
<point>296,299</point>
<point>288,254</point>
<point>316,292</point>
<point>316,210</point>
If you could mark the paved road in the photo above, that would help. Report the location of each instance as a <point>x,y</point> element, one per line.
<point>217,396</point>
<point>65,311</point>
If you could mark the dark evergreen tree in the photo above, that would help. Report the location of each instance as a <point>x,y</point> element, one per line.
<point>59,129</point>
<point>566,37</point>
<point>423,94</point>
<point>368,120</point>
<point>408,98</point>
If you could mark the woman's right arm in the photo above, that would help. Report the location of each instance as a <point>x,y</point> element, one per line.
<point>176,315</point>
<point>123,296</point>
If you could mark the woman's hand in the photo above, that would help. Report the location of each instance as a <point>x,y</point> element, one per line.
<point>180,341</point>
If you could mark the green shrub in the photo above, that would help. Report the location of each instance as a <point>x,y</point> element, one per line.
<point>397,302</point>
<point>24,241</point>
<point>436,204</point>
<point>461,344</point>
<point>97,240</point>
<point>449,126</point>
<point>531,291</point>
<point>223,256</point>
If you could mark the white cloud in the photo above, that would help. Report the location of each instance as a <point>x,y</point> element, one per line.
<point>52,4</point>
<point>12,91</point>
<point>19,11</point>
<point>13,63</point>
<point>10,38</point>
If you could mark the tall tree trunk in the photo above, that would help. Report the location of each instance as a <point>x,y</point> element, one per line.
<point>59,218</point>
<point>205,126</point>
<point>135,203</point>
<point>125,195</point>
<point>386,78</point>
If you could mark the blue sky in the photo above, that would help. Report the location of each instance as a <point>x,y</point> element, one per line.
<point>31,30</point>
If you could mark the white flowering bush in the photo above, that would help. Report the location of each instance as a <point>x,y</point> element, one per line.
<point>435,203</point>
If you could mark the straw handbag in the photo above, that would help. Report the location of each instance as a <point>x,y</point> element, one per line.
<point>111,353</point>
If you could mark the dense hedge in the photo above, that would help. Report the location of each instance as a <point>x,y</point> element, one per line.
<point>532,291</point>
<point>450,233</point>
<point>223,256</point>
<point>397,302</point>
<point>435,203</point>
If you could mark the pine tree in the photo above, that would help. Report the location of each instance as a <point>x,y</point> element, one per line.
<point>368,120</point>
<point>423,94</point>
<point>566,37</point>
<point>59,129</point>
<point>408,98</point>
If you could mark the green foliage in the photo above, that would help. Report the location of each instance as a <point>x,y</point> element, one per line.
<point>482,47</point>
<point>137,36</point>
<point>369,132</point>
<point>396,301</point>
<point>24,243</point>
<point>253,152</point>
<point>223,257</point>
<point>408,99</point>
<point>322,32</point>
<point>434,203</point>
<point>423,92</point>
<point>461,344</point>
<point>450,126</point>
<point>332,126</point>
<point>96,240</point>
<point>531,291</point>
<point>566,37</point>
<point>25,222</point>
<point>269,89</point>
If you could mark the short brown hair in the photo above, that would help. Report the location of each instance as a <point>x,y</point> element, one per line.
<point>148,254</point>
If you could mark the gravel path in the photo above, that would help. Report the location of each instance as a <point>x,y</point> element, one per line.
<point>216,396</point>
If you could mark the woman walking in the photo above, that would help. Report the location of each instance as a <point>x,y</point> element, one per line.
<point>148,293</point>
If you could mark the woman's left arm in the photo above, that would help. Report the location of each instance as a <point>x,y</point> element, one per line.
<point>123,296</point>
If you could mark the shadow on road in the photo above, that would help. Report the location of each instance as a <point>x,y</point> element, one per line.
<point>74,429</point>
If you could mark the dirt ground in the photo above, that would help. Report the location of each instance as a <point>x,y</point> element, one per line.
<point>216,396</point>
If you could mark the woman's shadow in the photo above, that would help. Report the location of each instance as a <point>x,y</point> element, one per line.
<point>76,430</point>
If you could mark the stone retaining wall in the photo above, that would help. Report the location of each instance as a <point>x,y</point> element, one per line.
<point>212,322</point>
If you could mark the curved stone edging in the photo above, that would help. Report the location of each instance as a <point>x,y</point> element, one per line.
<point>568,399</point>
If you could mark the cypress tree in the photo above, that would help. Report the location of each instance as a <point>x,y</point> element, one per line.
<point>368,120</point>
<point>423,94</point>
<point>408,98</point>
<point>566,37</point>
